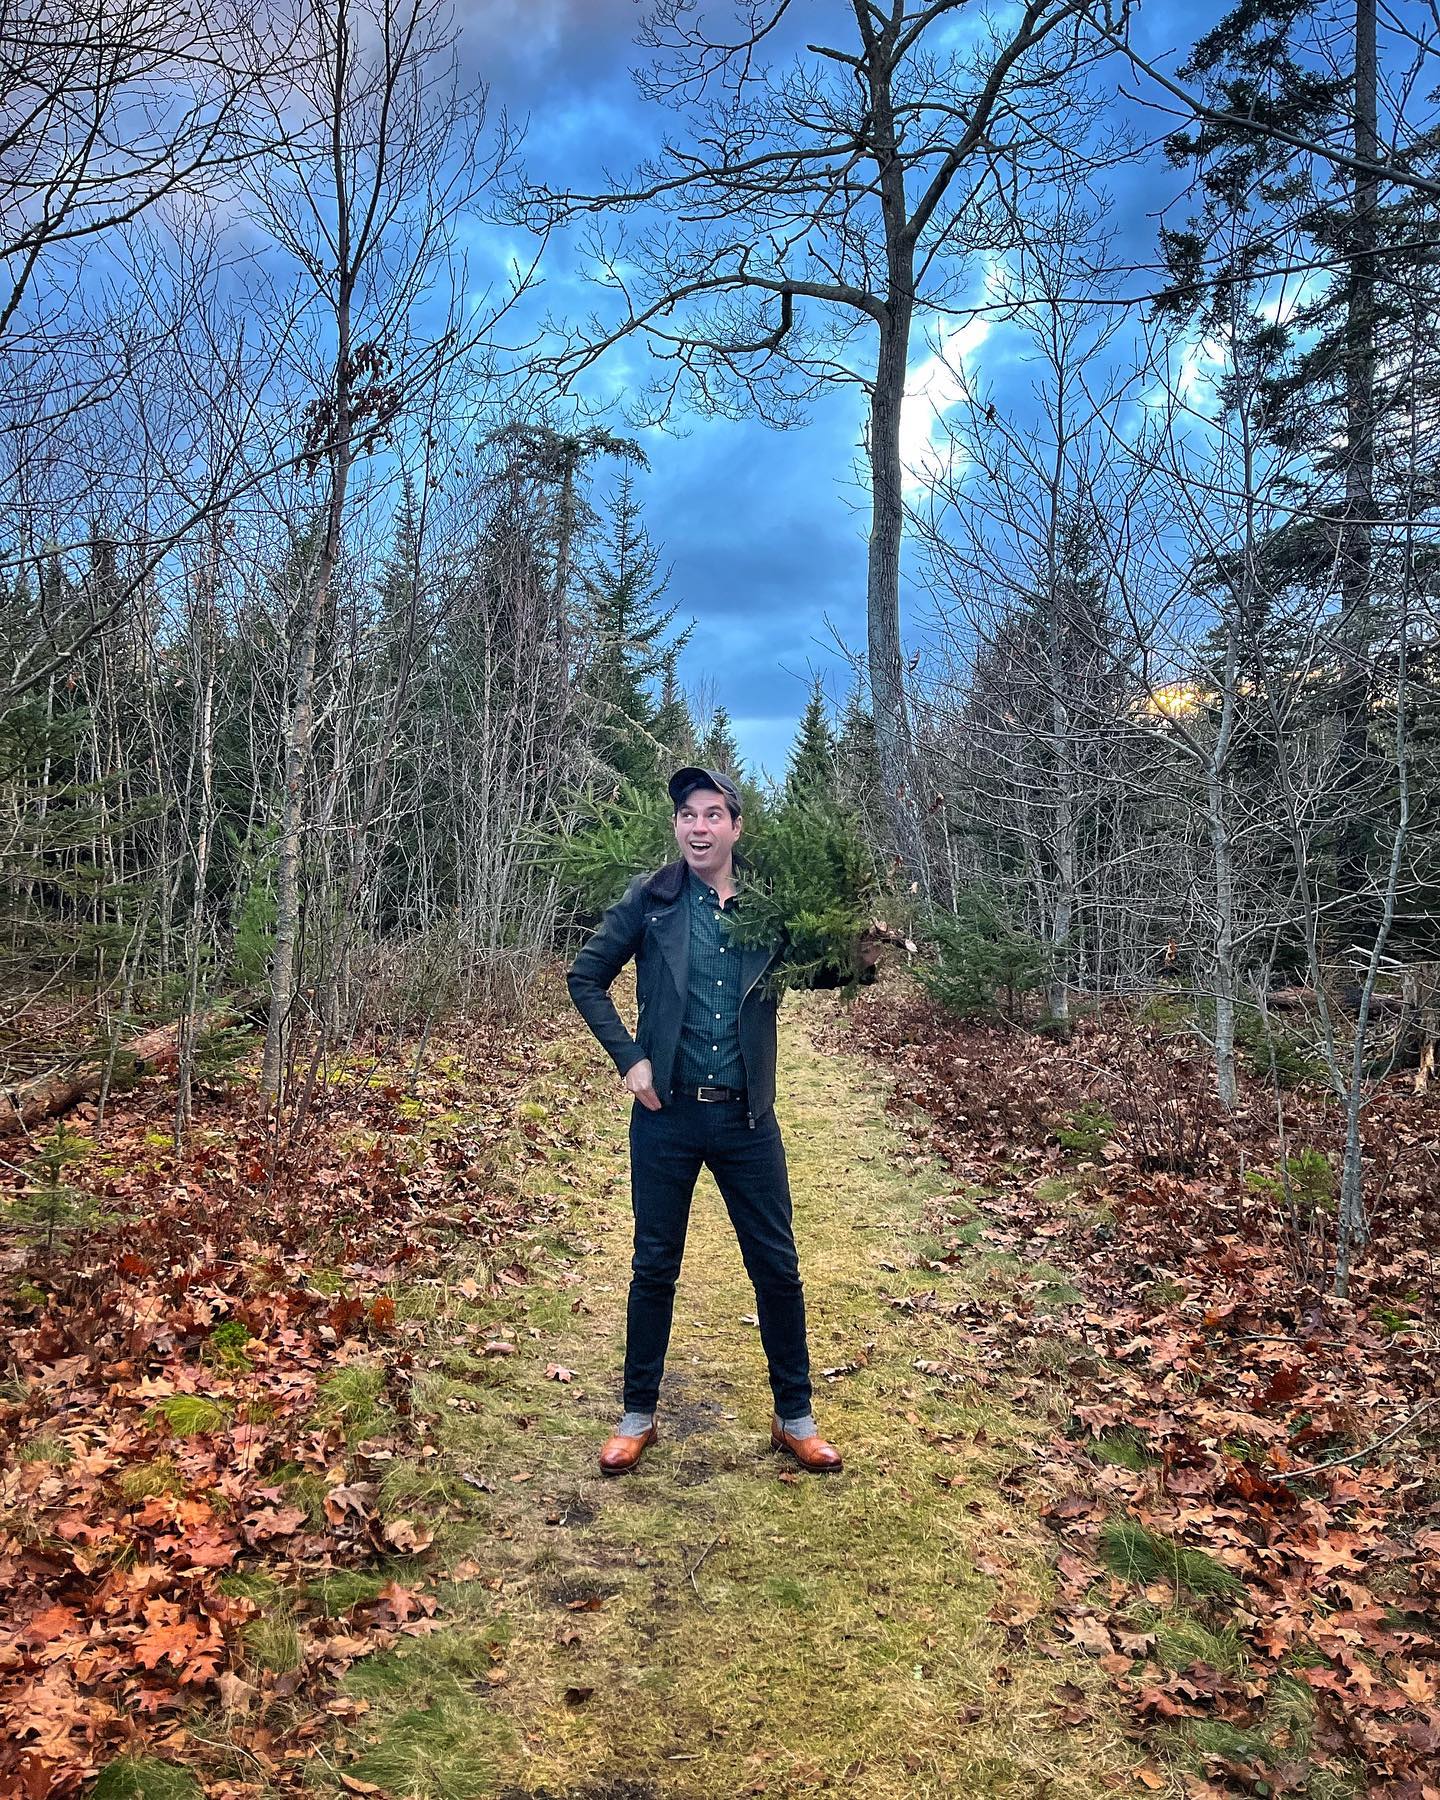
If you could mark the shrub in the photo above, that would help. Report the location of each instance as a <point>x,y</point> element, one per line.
<point>1087,1132</point>
<point>984,962</point>
<point>1305,1181</point>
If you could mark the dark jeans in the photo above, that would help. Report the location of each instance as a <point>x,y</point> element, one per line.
<point>667,1149</point>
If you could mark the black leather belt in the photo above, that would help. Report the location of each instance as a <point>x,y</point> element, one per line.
<point>710,1093</point>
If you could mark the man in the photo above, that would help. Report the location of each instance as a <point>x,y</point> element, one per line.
<point>701,1071</point>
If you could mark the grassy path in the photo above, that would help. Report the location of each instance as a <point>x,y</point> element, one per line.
<point>716,1623</point>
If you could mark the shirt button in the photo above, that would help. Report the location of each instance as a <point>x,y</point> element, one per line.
<point>719,984</point>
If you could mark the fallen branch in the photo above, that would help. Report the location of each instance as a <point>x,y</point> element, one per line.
<point>46,1096</point>
<point>1339,1462</point>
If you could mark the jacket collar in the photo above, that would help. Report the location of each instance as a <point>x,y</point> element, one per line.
<point>668,884</point>
<point>672,929</point>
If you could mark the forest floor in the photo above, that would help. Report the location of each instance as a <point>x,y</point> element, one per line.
<point>300,1488</point>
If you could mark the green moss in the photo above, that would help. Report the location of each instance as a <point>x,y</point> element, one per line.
<point>144,1778</point>
<point>228,1344</point>
<point>1086,1131</point>
<point>1142,1556</point>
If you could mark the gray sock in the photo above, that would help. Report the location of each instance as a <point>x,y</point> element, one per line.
<point>802,1427</point>
<point>635,1424</point>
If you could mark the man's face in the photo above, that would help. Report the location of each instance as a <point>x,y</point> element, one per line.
<point>705,831</point>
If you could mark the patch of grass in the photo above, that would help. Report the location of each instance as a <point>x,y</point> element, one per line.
<point>352,1397</point>
<point>272,1642</point>
<point>1181,1639</point>
<point>1053,1291</point>
<point>190,1415</point>
<point>549,1309</point>
<point>786,1590</point>
<point>143,1481</point>
<point>336,1593</point>
<point>1139,1555</point>
<point>422,1487</point>
<point>250,1584</point>
<point>435,1753</point>
<point>1217,1737</point>
<point>144,1778</point>
<point>1124,1448</point>
<point>306,1488</point>
<point>46,1449</point>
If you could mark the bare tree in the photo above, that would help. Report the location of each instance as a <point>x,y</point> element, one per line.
<point>382,156</point>
<point>810,205</point>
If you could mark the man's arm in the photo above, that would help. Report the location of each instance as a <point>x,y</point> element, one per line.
<point>867,958</point>
<point>589,977</point>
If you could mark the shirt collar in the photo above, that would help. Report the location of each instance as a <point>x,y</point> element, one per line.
<point>701,889</point>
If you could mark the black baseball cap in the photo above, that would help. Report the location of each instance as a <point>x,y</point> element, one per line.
<point>711,778</point>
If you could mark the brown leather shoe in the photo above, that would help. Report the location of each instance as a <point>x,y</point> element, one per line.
<point>620,1452</point>
<point>811,1453</point>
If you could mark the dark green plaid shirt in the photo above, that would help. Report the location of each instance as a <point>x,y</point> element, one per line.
<point>709,1052</point>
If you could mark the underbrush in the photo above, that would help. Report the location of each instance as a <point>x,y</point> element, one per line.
<point>212,1493</point>
<point>1244,1478</point>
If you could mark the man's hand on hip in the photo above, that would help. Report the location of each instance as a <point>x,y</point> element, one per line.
<point>639,1080</point>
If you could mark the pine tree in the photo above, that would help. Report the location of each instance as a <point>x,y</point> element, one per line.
<point>674,724</point>
<point>812,775</point>
<point>1339,374</point>
<point>632,642</point>
<point>856,756</point>
<point>718,749</point>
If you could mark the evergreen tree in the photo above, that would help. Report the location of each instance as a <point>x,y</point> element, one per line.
<point>674,724</point>
<point>1341,372</point>
<point>812,774</point>
<point>718,749</point>
<point>857,759</point>
<point>632,643</point>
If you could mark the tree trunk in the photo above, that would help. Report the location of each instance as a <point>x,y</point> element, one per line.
<point>1356,546</point>
<point>887,517</point>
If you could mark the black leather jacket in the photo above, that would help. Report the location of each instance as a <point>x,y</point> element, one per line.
<point>649,923</point>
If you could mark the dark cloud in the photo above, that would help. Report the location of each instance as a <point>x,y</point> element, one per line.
<point>765,530</point>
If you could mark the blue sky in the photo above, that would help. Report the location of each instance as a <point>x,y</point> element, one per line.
<point>764,530</point>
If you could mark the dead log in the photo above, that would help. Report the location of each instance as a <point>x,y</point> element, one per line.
<point>47,1096</point>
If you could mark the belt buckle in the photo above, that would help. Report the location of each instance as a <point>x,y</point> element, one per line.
<point>708,1096</point>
